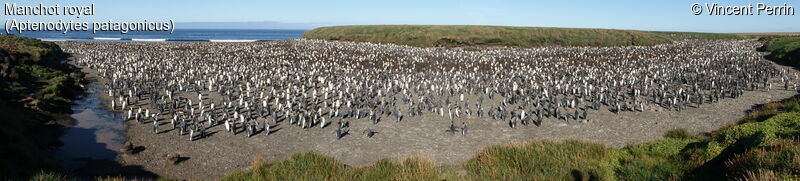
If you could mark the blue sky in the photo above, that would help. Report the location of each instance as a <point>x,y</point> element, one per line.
<point>666,15</point>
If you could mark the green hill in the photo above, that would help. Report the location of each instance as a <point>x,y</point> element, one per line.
<point>783,50</point>
<point>525,37</point>
<point>35,89</point>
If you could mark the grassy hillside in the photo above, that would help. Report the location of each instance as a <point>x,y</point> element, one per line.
<point>783,50</point>
<point>34,76</point>
<point>35,89</point>
<point>451,36</point>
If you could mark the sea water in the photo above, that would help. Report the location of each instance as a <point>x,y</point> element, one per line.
<point>213,35</point>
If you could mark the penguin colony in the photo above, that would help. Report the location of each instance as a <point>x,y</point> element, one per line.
<point>252,88</point>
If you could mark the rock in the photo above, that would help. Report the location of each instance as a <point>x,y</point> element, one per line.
<point>172,158</point>
<point>127,149</point>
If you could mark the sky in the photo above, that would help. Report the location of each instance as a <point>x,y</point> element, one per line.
<point>657,15</point>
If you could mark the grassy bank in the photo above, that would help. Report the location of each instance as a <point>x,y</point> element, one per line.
<point>34,76</point>
<point>452,36</point>
<point>35,90</point>
<point>783,50</point>
<point>315,166</point>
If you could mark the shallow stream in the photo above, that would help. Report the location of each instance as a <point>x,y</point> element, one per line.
<point>97,134</point>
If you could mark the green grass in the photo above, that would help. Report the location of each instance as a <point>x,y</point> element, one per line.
<point>51,176</point>
<point>783,50</point>
<point>544,160</point>
<point>51,89</point>
<point>454,35</point>
<point>777,43</point>
<point>768,110</point>
<point>37,50</point>
<point>780,158</point>
<point>783,125</point>
<point>32,68</point>
<point>657,160</point>
<point>315,166</point>
<point>680,133</point>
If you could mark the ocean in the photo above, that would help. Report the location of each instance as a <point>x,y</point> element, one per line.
<point>213,35</point>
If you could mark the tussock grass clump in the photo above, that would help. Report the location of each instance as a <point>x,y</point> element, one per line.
<point>779,160</point>
<point>544,160</point>
<point>757,133</point>
<point>58,176</point>
<point>51,176</point>
<point>680,133</point>
<point>315,166</point>
<point>737,151</point>
<point>308,166</point>
<point>657,160</point>
<point>414,168</point>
